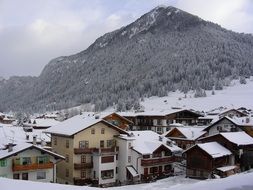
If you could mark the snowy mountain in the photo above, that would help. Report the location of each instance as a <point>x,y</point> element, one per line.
<point>162,51</point>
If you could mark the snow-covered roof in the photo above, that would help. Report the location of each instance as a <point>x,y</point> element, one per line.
<point>17,134</point>
<point>42,122</point>
<point>239,138</point>
<point>154,112</point>
<point>146,142</point>
<point>214,149</point>
<point>23,146</point>
<point>241,121</point>
<point>133,172</point>
<point>226,168</point>
<point>77,123</point>
<point>191,133</point>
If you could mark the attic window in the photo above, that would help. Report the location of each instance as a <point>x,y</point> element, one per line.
<point>92,131</point>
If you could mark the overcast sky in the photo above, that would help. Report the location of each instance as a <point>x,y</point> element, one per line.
<point>32,32</point>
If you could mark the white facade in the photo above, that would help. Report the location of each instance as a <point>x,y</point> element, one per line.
<point>16,167</point>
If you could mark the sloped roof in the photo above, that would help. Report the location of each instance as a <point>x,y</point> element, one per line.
<point>146,142</point>
<point>239,138</point>
<point>78,123</point>
<point>24,146</point>
<point>214,149</point>
<point>190,133</point>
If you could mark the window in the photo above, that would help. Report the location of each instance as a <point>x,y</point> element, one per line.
<point>116,170</point>
<point>83,144</point>
<point>55,140</point>
<point>26,161</point>
<point>102,144</point>
<point>83,173</point>
<point>129,145</point>
<point>41,175</point>
<point>153,170</point>
<point>83,159</point>
<point>67,173</point>
<point>3,163</point>
<point>42,159</point>
<point>109,143</point>
<point>107,174</point>
<point>103,131</point>
<point>129,159</point>
<point>16,176</point>
<point>159,129</point>
<point>117,156</point>
<point>67,158</point>
<point>92,131</point>
<point>67,143</point>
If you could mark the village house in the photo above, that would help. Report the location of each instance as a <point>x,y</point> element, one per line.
<point>6,119</point>
<point>227,124</point>
<point>28,162</point>
<point>145,156</point>
<point>203,159</point>
<point>239,143</point>
<point>232,113</point>
<point>89,146</point>
<point>101,153</point>
<point>160,121</point>
<point>185,137</point>
<point>42,123</point>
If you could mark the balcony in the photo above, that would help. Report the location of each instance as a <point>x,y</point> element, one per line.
<point>84,150</point>
<point>35,166</point>
<point>79,166</point>
<point>96,150</point>
<point>157,161</point>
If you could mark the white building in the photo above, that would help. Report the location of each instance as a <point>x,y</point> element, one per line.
<point>28,162</point>
<point>144,156</point>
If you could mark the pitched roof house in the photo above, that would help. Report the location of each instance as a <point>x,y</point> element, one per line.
<point>203,159</point>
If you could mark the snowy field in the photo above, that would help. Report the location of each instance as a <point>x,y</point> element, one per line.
<point>235,96</point>
<point>237,182</point>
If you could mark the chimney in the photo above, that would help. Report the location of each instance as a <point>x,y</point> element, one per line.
<point>192,134</point>
<point>43,142</point>
<point>34,139</point>
<point>10,147</point>
<point>160,138</point>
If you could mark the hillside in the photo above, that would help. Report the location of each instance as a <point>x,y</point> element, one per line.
<point>164,50</point>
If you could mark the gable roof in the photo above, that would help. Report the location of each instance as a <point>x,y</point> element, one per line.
<point>79,123</point>
<point>228,110</point>
<point>238,138</point>
<point>20,147</point>
<point>157,113</point>
<point>238,121</point>
<point>190,133</point>
<point>214,149</point>
<point>146,142</point>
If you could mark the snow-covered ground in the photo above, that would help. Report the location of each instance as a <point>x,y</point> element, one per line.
<point>235,96</point>
<point>237,182</point>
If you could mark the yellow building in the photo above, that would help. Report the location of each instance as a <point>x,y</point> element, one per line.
<point>89,146</point>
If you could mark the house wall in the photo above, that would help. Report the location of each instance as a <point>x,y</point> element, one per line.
<point>63,166</point>
<point>32,174</point>
<point>225,126</point>
<point>94,142</point>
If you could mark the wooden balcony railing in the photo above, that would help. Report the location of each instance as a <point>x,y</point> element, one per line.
<point>34,166</point>
<point>156,161</point>
<point>79,166</point>
<point>95,150</point>
<point>84,150</point>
